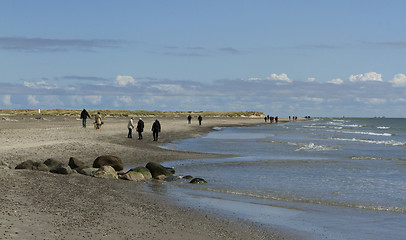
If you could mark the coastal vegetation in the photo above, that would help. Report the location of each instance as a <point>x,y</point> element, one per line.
<point>126,113</point>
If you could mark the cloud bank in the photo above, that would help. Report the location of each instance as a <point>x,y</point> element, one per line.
<point>365,94</point>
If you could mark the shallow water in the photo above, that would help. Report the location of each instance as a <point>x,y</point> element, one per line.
<point>325,178</point>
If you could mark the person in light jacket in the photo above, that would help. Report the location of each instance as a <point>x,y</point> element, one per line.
<point>130,127</point>
<point>98,120</point>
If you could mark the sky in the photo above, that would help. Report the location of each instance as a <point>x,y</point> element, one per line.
<point>326,58</point>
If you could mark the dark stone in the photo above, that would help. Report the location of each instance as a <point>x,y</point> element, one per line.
<point>75,163</point>
<point>188,177</point>
<point>158,171</point>
<point>52,163</point>
<point>198,181</point>
<point>29,164</point>
<point>108,160</point>
<point>61,169</point>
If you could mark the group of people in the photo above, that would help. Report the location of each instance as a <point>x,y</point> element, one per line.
<point>271,119</point>
<point>84,115</point>
<point>156,128</point>
<point>199,118</point>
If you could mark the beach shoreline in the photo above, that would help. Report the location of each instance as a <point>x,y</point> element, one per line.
<point>43,205</point>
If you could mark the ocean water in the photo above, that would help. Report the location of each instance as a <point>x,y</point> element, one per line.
<point>324,178</point>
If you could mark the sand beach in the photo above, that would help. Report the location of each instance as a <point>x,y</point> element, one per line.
<point>44,205</point>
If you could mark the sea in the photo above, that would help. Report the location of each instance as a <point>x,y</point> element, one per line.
<point>324,178</point>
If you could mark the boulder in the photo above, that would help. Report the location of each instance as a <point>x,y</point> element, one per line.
<point>133,176</point>
<point>158,171</point>
<point>143,170</point>
<point>188,177</point>
<point>198,181</point>
<point>40,166</point>
<point>61,169</point>
<point>75,163</point>
<point>29,164</point>
<point>52,163</point>
<point>87,171</point>
<point>106,171</point>
<point>108,160</point>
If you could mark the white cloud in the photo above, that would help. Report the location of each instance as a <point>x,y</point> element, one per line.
<point>93,99</point>
<point>371,76</point>
<point>127,100</point>
<point>336,81</point>
<point>170,88</point>
<point>371,100</point>
<point>399,80</point>
<point>399,100</point>
<point>310,99</point>
<point>6,100</point>
<point>311,79</point>
<point>125,80</point>
<point>40,84</point>
<point>254,79</point>
<point>281,77</point>
<point>32,100</point>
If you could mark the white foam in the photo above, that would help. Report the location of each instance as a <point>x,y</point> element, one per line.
<point>387,142</point>
<point>314,147</point>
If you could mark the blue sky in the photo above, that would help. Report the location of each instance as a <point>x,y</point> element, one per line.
<point>293,57</point>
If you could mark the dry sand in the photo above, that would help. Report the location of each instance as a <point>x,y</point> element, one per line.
<point>43,205</point>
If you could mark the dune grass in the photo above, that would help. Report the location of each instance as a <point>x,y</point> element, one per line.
<point>128,113</point>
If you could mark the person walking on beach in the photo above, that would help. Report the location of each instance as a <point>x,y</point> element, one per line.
<point>200,120</point>
<point>84,115</point>
<point>189,119</point>
<point>130,127</point>
<point>98,120</point>
<point>140,128</point>
<point>156,128</point>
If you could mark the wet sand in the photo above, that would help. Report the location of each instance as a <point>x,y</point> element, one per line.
<point>43,205</point>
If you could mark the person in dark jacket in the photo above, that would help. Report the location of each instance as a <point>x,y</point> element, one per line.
<point>84,115</point>
<point>140,128</point>
<point>200,120</point>
<point>156,128</point>
<point>189,119</point>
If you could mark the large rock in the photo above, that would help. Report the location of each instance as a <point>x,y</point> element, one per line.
<point>52,163</point>
<point>40,166</point>
<point>143,170</point>
<point>61,169</point>
<point>106,171</point>
<point>75,163</point>
<point>31,165</point>
<point>108,160</point>
<point>198,181</point>
<point>132,176</point>
<point>158,171</point>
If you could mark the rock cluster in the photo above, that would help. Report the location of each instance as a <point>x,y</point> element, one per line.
<point>107,166</point>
